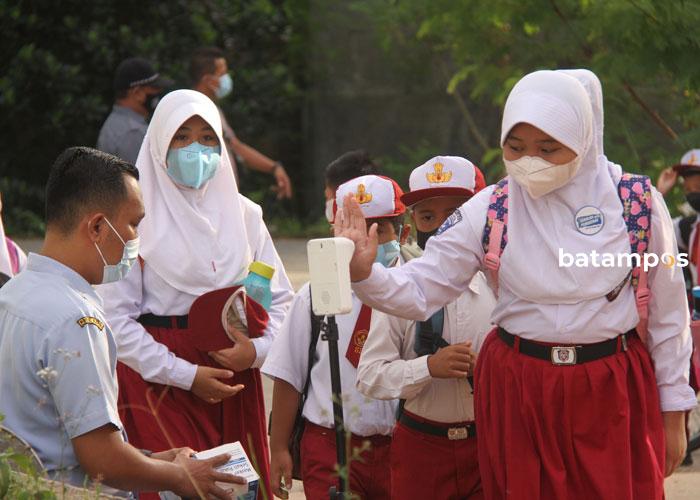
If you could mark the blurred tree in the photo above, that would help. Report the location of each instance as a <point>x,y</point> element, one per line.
<point>644,52</point>
<point>58,61</point>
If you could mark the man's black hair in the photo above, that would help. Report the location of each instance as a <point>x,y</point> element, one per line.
<point>203,62</point>
<point>83,179</point>
<point>348,166</point>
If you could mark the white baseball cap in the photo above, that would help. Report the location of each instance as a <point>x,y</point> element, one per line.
<point>444,176</point>
<point>377,195</point>
<point>689,164</point>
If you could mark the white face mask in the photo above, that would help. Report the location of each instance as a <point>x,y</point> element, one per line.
<point>329,210</point>
<point>115,272</point>
<point>538,176</point>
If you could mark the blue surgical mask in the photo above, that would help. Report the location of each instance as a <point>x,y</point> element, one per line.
<point>388,252</point>
<point>225,86</point>
<point>115,272</point>
<point>193,165</point>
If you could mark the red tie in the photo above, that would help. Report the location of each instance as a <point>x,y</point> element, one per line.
<point>359,335</point>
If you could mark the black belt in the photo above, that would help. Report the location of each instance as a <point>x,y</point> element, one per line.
<point>566,354</point>
<point>451,432</point>
<point>149,319</point>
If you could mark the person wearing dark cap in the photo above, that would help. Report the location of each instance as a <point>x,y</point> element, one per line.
<point>138,86</point>
<point>210,75</point>
<point>686,227</point>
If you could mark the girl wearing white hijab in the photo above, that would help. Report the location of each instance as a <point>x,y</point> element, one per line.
<point>570,403</point>
<point>198,235</point>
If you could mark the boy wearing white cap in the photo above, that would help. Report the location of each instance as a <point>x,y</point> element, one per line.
<point>686,227</point>
<point>428,364</point>
<point>289,364</point>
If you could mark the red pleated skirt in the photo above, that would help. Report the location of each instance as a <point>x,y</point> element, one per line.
<point>587,431</point>
<point>159,417</point>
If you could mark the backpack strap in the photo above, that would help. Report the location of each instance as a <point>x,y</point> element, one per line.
<point>495,231</point>
<point>635,194</point>
<point>315,334</point>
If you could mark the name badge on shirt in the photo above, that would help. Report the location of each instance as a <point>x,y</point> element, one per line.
<point>91,320</point>
<point>589,220</point>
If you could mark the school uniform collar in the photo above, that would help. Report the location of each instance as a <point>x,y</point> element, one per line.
<point>475,283</point>
<point>43,264</point>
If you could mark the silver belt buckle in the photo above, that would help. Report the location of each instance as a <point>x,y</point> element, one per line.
<point>455,433</point>
<point>563,355</point>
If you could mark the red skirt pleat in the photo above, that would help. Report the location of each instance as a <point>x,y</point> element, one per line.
<point>592,430</point>
<point>159,417</point>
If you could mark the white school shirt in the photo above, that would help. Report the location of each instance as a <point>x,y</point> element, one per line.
<point>389,367</point>
<point>422,286</point>
<point>143,291</point>
<point>288,360</point>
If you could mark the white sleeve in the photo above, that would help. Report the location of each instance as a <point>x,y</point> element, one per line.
<point>425,284</point>
<point>382,373</point>
<point>669,338</point>
<point>288,357</point>
<point>136,348</point>
<point>282,293</point>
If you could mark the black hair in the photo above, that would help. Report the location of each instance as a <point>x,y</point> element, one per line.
<point>396,221</point>
<point>203,62</point>
<point>83,179</point>
<point>348,166</point>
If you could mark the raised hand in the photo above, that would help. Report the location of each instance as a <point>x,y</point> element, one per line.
<point>667,179</point>
<point>350,223</point>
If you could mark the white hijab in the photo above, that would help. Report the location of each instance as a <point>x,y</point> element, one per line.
<point>195,240</point>
<point>591,83</point>
<point>559,105</point>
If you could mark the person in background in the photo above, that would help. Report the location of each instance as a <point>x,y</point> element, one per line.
<point>138,87</point>
<point>210,75</point>
<point>688,237</point>
<point>58,357</point>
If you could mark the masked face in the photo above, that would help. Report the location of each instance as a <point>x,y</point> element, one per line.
<point>693,200</point>
<point>538,176</point>
<point>225,86</point>
<point>115,272</point>
<point>387,253</point>
<point>193,165</point>
<point>151,102</point>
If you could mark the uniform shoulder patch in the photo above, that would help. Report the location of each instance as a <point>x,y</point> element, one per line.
<point>91,320</point>
<point>453,219</point>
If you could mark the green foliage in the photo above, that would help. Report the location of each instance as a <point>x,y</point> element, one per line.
<point>58,61</point>
<point>22,207</point>
<point>642,50</point>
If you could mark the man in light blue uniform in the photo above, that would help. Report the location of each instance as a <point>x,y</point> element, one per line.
<point>58,384</point>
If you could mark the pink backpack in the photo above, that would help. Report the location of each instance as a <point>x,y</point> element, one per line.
<point>635,194</point>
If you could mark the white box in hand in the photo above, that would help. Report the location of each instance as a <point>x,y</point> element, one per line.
<point>238,465</point>
<point>329,267</point>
